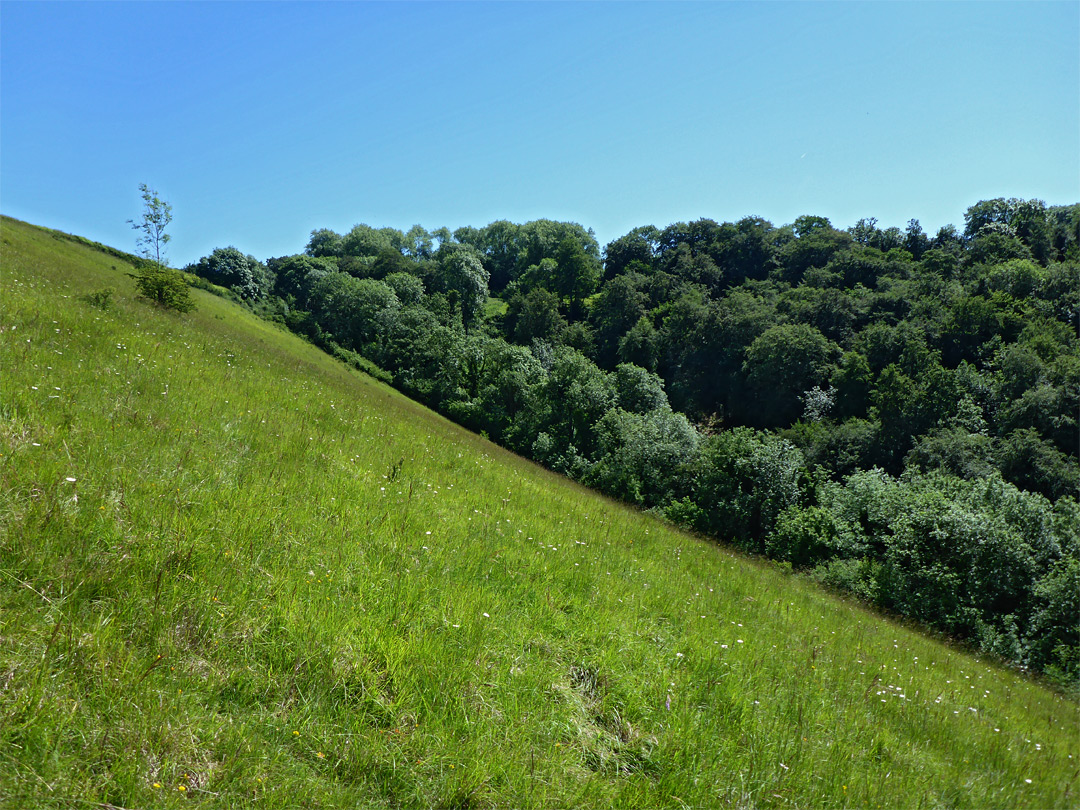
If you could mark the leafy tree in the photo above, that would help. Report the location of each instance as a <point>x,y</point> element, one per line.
<point>815,244</point>
<point>324,242</point>
<point>501,380</point>
<point>1032,463</point>
<point>424,354</point>
<point>994,247</point>
<point>637,390</point>
<point>1054,638</point>
<point>641,345</point>
<point>953,450</point>
<point>461,273</point>
<point>349,307</point>
<point>1064,224</point>
<point>619,306</point>
<point>156,216</point>
<point>783,363</point>
<point>407,287</point>
<point>804,536</point>
<point>500,243</point>
<point>534,316</point>
<point>294,275</point>
<point>575,395</point>
<point>231,268</point>
<point>577,275</point>
<point>418,242</point>
<point>916,242</point>
<point>987,215</point>
<point>749,252</point>
<point>365,241</point>
<point>909,406</point>
<point>542,238</point>
<point>743,481</point>
<point>643,457</point>
<point>637,247</point>
<point>852,380</point>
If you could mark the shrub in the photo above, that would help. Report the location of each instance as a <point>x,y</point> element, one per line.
<point>163,286</point>
<point>101,299</point>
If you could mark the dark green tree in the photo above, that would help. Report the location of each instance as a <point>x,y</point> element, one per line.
<point>461,274</point>
<point>781,365</point>
<point>230,268</point>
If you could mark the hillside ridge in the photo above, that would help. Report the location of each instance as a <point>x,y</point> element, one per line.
<point>236,572</point>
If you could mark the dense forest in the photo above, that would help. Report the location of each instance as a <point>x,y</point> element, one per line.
<point>893,413</point>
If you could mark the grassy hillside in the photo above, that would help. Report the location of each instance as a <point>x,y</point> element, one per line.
<point>233,572</point>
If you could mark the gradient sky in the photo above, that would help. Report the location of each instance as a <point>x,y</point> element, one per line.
<point>262,121</point>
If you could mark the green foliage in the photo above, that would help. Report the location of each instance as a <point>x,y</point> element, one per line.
<point>534,315</point>
<point>163,286</point>
<point>349,307</point>
<point>294,276</point>
<point>231,268</point>
<point>238,595</point>
<point>638,390</point>
<point>462,275</point>
<point>803,536</point>
<point>640,346</point>
<point>324,243</point>
<point>743,481</point>
<point>408,288</point>
<point>783,363</point>
<point>156,216</point>
<point>643,457</point>
<point>620,306</point>
<point>950,358</point>
<point>100,299</point>
<point>1055,631</point>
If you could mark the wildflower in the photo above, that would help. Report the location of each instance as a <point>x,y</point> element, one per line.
<point>320,755</point>
<point>156,785</point>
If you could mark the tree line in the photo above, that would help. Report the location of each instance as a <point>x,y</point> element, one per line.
<point>893,413</point>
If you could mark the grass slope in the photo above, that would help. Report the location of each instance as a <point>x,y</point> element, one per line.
<point>234,572</point>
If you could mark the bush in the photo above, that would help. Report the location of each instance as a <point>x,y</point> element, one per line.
<point>101,299</point>
<point>803,536</point>
<point>163,286</point>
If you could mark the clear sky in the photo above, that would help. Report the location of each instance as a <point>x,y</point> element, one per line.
<point>262,121</point>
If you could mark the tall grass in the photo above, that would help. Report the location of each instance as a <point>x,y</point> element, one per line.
<point>233,571</point>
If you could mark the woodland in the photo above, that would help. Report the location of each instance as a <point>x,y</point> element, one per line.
<point>891,413</point>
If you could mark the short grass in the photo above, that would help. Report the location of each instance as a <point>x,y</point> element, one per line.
<point>234,572</point>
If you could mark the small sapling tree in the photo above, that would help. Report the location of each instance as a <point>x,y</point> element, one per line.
<point>156,280</point>
<point>156,216</point>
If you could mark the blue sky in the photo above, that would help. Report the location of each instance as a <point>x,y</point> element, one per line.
<point>262,121</point>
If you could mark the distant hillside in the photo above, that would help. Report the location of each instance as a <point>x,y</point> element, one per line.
<point>236,572</point>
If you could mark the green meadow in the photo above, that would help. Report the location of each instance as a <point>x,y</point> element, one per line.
<point>235,572</point>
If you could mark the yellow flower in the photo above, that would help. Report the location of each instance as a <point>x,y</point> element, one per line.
<point>320,755</point>
<point>181,788</point>
<point>157,785</point>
